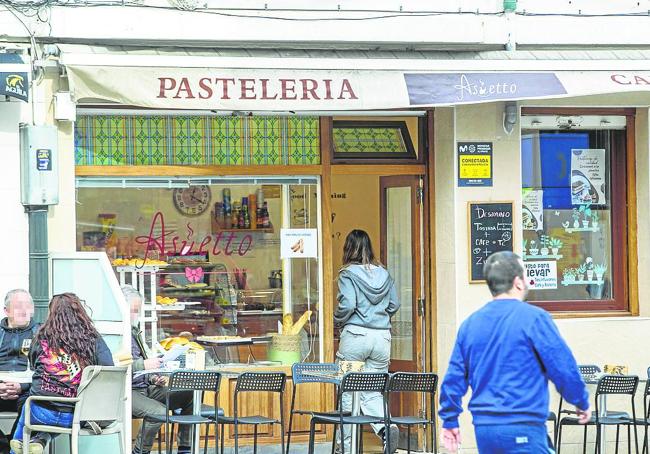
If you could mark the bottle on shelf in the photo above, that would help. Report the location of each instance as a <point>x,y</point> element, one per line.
<point>246,220</point>
<point>252,211</point>
<point>266,221</point>
<point>235,215</point>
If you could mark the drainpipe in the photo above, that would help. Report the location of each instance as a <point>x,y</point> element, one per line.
<point>38,260</point>
<point>509,8</point>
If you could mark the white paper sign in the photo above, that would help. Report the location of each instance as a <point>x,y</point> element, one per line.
<point>541,275</point>
<point>588,177</point>
<point>532,209</point>
<point>298,243</point>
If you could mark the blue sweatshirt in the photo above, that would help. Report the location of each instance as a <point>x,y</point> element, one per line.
<point>506,352</point>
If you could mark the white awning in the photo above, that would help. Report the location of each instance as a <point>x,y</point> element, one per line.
<point>302,80</point>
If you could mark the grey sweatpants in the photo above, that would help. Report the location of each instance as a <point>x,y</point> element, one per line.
<point>151,401</point>
<point>372,346</point>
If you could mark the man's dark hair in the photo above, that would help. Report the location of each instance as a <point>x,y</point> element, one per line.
<point>500,270</point>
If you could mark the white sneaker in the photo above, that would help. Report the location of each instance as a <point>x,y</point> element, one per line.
<point>34,447</point>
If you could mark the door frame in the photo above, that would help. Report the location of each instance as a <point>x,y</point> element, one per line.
<point>417,284</point>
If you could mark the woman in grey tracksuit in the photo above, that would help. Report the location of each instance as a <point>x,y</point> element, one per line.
<point>367,299</point>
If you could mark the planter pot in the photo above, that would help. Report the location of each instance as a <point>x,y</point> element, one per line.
<point>599,277</point>
<point>543,251</point>
<point>555,250</point>
<point>533,251</point>
<point>570,279</point>
<point>576,224</point>
<point>585,224</point>
<point>590,274</point>
<point>581,277</point>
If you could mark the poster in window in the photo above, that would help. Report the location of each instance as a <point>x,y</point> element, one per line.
<point>474,163</point>
<point>532,209</point>
<point>588,177</point>
<point>541,275</point>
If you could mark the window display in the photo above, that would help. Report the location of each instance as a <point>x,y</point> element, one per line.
<point>570,200</point>
<point>211,252</point>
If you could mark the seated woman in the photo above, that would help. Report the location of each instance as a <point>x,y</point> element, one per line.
<point>66,343</point>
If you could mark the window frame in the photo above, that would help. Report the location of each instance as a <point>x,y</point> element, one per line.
<point>412,156</point>
<point>623,187</point>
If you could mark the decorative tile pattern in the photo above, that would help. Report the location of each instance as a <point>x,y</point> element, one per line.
<point>117,140</point>
<point>369,140</point>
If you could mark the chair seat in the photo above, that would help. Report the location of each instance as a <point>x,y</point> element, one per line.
<point>108,430</point>
<point>179,419</point>
<point>320,413</point>
<point>335,419</point>
<point>207,411</point>
<point>248,420</point>
<point>621,418</point>
<point>408,420</point>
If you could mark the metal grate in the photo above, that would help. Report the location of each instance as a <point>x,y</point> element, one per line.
<point>261,381</point>
<point>194,380</point>
<point>413,382</point>
<point>617,384</point>
<point>364,381</point>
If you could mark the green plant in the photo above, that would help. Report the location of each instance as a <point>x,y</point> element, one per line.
<point>569,274</point>
<point>582,269</point>
<point>555,243</point>
<point>600,268</point>
<point>575,215</point>
<point>525,243</point>
<point>594,217</point>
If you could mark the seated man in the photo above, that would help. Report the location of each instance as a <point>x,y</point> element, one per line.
<point>149,391</point>
<point>14,329</point>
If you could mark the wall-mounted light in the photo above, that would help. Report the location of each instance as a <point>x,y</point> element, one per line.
<point>510,115</point>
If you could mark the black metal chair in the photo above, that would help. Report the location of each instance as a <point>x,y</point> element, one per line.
<point>271,382</point>
<point>420,383</point>
<point>354,382</point>
<point>608,385</point>
<point>180,381</point>
<point>300,374</point>
<point>587,371</point>
<point>646,414</point>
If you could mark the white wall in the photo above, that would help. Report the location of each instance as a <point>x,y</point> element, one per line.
<point>610,340</point>
<point>14,266</point>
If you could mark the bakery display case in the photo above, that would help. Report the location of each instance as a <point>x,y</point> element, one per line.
<point>206,255</point>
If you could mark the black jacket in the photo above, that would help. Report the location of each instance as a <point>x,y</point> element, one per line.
<point>58,374</point>
<point>11,339</point>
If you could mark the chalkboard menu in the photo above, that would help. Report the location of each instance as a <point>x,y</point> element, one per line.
<point>490,231</point>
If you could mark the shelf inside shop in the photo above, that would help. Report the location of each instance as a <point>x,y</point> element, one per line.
<point>261,230</point>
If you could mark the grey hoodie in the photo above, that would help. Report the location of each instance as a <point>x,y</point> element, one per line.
<point>367,297</point>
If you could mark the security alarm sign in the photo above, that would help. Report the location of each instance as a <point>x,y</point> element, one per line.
<point>474,163</point>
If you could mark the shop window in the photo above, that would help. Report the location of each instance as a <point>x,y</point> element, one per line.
<point>218,242</point>
<point>574,216</point>
<point>382,141</point>
<point>150,140</point>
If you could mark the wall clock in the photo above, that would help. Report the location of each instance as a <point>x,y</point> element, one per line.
<point>192,201</point>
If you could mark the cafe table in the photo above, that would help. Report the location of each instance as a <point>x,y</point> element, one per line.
<point>20,376</point>
<point>356,402</point>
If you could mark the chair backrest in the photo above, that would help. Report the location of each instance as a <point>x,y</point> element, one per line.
<point>588,369</point>
<point>261,381</point>
<point>413,382</point>
<point>363,381</point>
<point>617,384</point>
<point>194,380</point>
<point>101,394</point>
<point>298,375</point>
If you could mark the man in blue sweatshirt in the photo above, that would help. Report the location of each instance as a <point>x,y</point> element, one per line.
<point>506,352</point>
